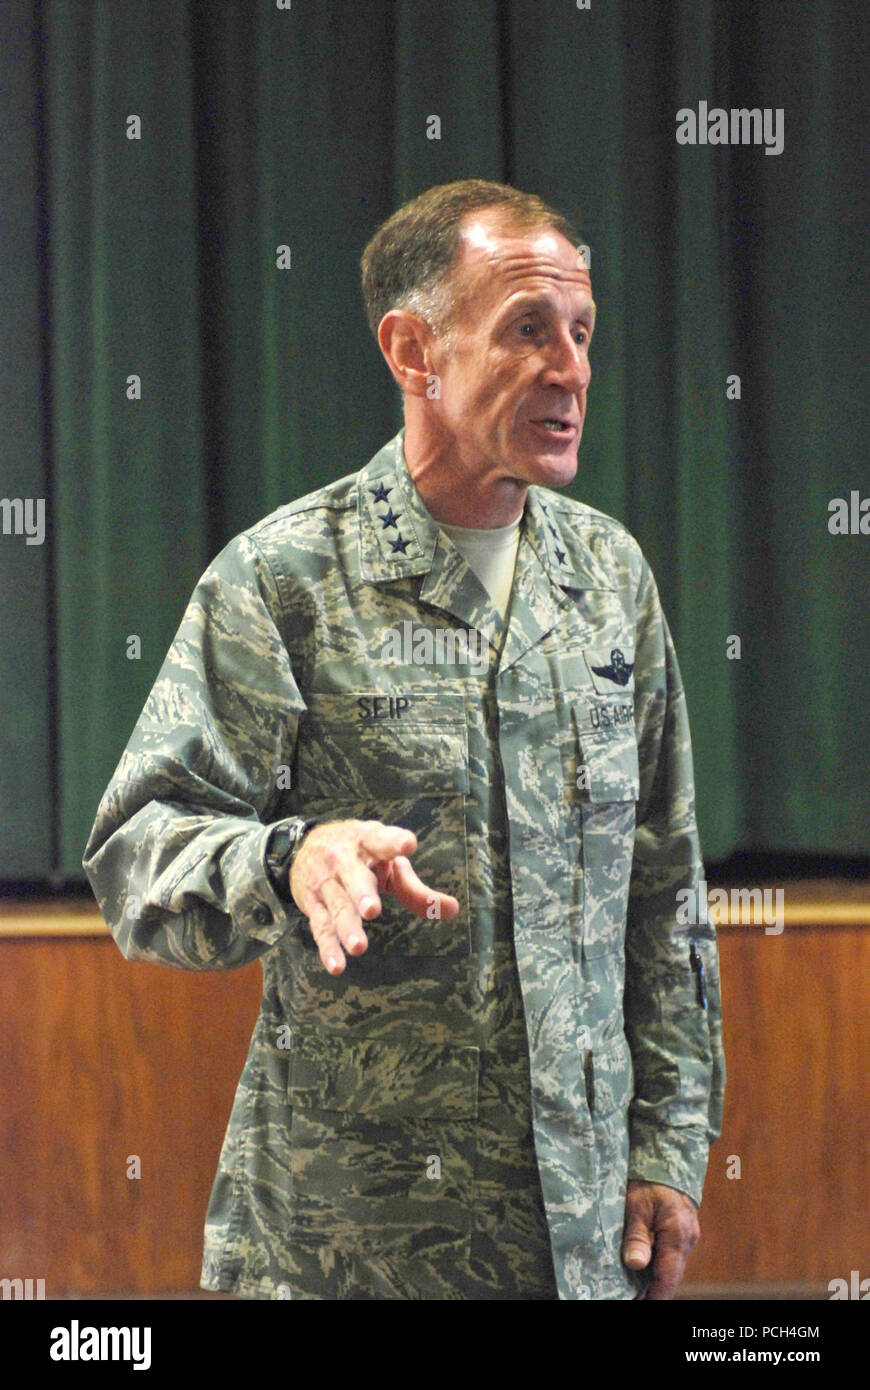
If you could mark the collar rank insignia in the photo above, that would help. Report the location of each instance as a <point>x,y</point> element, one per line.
<point>619,669</point>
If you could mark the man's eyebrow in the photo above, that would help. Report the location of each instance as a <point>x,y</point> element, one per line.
<point>532,300</point>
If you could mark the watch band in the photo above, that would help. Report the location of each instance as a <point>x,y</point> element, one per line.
<point>282,848</point>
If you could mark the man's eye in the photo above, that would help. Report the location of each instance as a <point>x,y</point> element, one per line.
<point>524,326</point>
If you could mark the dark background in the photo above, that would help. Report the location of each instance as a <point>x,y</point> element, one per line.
<point>264,127</point>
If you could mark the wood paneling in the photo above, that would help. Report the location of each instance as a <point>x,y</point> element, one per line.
<point>102,1059</point>
<point>796,1011</point>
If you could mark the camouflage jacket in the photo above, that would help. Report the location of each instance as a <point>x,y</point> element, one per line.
<point>457,1115</point>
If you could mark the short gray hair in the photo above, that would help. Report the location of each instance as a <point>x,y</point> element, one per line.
<point>407,264</point>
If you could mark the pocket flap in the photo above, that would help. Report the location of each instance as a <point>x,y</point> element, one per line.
<point>390,744</point>
<point>388,1080</point>
<point>612,769</point>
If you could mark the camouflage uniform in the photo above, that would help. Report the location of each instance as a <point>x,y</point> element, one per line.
<point>455,1116</point>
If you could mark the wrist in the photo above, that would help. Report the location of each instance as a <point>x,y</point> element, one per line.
<point>282,847</point>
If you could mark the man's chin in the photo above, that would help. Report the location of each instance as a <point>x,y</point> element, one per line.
<point>549,459</point>
<point>552,467</point>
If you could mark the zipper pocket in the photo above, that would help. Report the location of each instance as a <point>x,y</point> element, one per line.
<point>698,967</point>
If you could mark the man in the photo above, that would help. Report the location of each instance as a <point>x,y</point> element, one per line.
<point>494,1074</point>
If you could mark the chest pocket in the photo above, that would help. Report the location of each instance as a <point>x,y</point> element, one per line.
<point>403,764</point>
<point>606,786</point>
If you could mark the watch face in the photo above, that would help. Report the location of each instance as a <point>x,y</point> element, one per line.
<point>279,847</point>
<point>284,844</point>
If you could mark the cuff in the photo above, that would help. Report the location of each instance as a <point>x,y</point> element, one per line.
<point>255,908</point>
<point>675,1157</point>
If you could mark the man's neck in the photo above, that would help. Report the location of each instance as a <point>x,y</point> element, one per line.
<point>450,493</point>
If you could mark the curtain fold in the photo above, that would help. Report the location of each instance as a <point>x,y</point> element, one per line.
<point>166,382</point>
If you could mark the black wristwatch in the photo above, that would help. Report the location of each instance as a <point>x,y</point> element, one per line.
<point>282,848</point>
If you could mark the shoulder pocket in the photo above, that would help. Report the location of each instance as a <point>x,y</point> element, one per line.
<point>607,786</point>
<point>612,769</point>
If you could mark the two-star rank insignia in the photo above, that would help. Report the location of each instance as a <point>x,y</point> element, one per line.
<point>619,669</point>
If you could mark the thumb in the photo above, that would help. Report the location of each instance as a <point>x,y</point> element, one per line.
<point>637,1245</point>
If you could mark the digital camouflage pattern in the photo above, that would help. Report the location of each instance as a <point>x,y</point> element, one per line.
<point>457,1115</point>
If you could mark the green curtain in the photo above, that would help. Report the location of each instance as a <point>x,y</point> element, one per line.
<point>304,126</point>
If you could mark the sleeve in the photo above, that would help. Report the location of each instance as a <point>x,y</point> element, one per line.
<point>176,856</point>
<point>676,1043</point>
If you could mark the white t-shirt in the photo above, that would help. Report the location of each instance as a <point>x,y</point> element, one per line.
<point>492,553</point>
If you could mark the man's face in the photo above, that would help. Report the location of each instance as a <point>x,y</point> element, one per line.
<point>517,354</point>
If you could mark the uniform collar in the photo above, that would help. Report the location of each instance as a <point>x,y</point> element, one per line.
<point>398,537</point>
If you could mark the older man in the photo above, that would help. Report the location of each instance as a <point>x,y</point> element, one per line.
<point>494,1074</point>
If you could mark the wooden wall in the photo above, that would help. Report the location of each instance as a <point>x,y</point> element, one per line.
<point>102,1059</point>
<point>796,1012</point>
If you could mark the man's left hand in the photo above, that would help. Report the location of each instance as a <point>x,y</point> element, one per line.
<point>661,1228</point>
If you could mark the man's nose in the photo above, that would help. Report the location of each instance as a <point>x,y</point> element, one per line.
<point>568,364</point>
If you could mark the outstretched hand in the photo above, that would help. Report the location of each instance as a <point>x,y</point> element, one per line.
<point>339,874</point>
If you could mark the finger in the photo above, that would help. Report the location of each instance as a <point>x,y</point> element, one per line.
<point>361,886</point>
<point>638,1244</point>
<point>668,1266</point>
<point>415,895</point>
<point>331,917</point>
<point>328,944</point>
<point>338,859</point>
<point>346,921</point>
<point>676,1237</point>
<point>379,841</point>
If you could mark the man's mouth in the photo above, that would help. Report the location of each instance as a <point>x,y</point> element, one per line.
<point>556,426</point>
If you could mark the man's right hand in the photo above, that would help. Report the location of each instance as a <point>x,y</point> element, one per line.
<point>337,878</point>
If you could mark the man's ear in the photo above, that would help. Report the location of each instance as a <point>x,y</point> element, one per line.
<point>406,340</point>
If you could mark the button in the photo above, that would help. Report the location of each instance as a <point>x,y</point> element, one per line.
<point>263,915</point>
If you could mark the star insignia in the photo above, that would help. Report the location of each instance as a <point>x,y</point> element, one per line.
<point>551,528</point>
<point>389,518</point>
<point>399,544</point>
<point>380,492</point>
<point>560,555</point>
